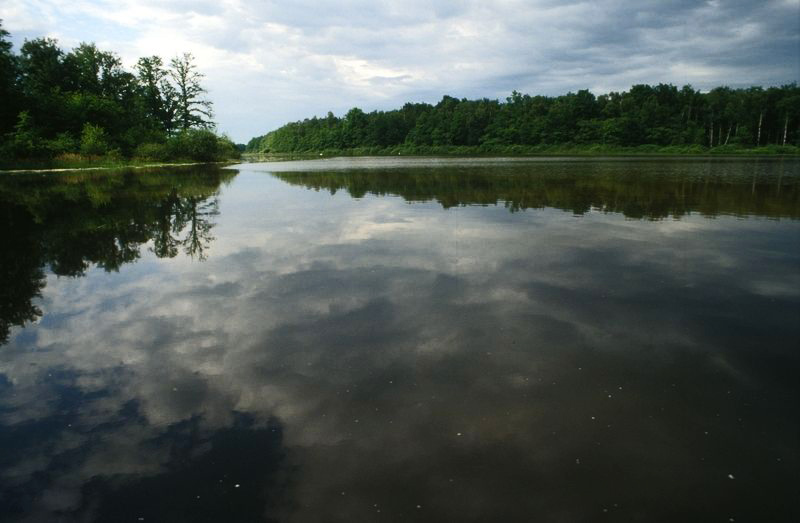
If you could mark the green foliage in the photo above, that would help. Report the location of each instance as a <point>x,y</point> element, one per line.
<point>93,140</point>
<point>154,152</point>
<point>201,145</point>
<point>83,103</point>
<point>722,120</point>
<point>9,91</point>
<point>156,93</point>
<point>63,143</point>
<point>25,141</point>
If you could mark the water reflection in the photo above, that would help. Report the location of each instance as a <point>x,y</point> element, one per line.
<point>338,357</point>
<point>71,222</point>
<point>637,189</point>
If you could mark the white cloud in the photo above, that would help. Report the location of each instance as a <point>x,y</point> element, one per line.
<point>270,62</point>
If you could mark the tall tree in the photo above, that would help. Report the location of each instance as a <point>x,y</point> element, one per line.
<point>43,82</point>
<point>41,66</point>
<point>159,96</point>
<point>8,83</point>
<point>191,110</point>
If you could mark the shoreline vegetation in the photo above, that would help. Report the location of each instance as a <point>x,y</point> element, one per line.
<point>87,163</point>
<point>83,109</point>
<point>102,165</point>
<point>658,119</point>
<point>521,151</point>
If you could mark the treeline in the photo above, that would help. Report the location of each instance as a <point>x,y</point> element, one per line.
<point>82,104</point>
<point>644,117</point>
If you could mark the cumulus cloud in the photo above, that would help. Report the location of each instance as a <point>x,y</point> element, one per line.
<point>271,62</point>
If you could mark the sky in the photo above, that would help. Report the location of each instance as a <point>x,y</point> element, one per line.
<point>267,62</point>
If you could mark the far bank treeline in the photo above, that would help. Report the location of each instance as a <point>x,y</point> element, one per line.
<point>661,118</point>
<point>70,107</point>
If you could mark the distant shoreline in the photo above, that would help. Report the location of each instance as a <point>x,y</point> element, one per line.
<point>444,152</point>
<point>533,152</point>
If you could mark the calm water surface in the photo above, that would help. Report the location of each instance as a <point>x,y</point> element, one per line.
<point>403,340</point>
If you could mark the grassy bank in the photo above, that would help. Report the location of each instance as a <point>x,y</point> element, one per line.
<point>193,146</point>
<point>80,162</point>
<point>537,150</point>
<point>102,166</point>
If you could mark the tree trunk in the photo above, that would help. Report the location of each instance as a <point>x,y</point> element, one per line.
<point>728,136</point>
<point>785,128</point>
<point>760,118</point>
<point>711,136</point>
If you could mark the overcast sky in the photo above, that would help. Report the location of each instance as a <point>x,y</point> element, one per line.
<point>268,62</point>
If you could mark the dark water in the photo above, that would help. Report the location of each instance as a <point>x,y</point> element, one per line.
<point>403,340</point>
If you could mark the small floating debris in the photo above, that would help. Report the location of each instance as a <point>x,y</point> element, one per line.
<point>730,476</point>
<point>236,486</point>
<point>458,433</point>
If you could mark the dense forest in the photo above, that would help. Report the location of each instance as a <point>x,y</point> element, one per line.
<point>82,104</point>
<point>657,118</point>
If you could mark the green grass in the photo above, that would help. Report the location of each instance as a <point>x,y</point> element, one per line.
<point>535,150</point>
<point>78,161</point>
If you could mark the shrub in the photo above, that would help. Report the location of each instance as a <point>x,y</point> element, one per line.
<point>154,152</point>
<point>24,142</point>
<point>61,144</point>
<point>195,144</point>
<point>93,140</point>
<point>226,149</point>
<point>201,145</point>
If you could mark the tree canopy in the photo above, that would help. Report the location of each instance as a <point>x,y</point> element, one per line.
<point>661,115</point>
<point>84,101</point>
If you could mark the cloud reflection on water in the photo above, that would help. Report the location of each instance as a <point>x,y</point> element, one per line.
<point>470,361</point>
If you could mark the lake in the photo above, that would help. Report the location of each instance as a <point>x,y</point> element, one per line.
<point>391,339</point>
